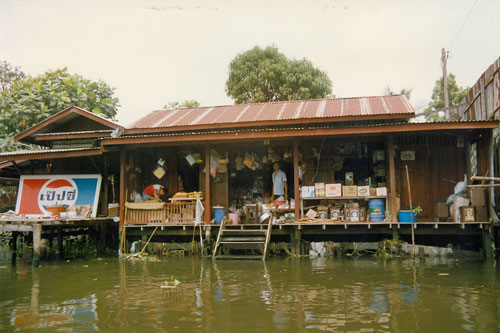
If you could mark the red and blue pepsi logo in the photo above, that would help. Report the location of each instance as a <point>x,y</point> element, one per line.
<point>57,192</point>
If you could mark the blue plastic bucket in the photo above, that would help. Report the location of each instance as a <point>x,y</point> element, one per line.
<point>404,216</point>
<point>219,213</point>
<point>376,208</point>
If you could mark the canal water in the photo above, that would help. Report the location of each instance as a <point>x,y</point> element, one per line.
<point>282,294</point>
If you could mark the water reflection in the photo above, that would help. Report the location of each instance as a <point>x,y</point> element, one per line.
<point>280,294</point>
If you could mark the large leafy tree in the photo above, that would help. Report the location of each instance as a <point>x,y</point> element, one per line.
<point>265,75</point>
<point>187,104</point>
<point>9,74</point>
<point>455,95</point>
<point>28,100</point>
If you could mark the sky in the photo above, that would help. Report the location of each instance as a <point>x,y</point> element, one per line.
<point>159,51</point>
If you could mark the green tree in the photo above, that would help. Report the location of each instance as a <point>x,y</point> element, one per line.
<point>404,91</point>
<point>187,104</point>
<point>9,74</point>
<point>265,75</point>
<point>30,100</point>
<point>455,95</point>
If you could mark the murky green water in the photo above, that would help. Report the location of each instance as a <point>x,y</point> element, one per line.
<point>363,295</point>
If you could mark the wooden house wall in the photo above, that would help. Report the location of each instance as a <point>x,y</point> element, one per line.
<point>483,152</point>
<point>440,162</point>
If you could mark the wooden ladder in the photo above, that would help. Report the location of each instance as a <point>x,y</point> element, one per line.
<point>243,235</point>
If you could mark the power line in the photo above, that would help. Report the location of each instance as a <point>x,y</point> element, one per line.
<point>473,49</point>
<point>463,24</point>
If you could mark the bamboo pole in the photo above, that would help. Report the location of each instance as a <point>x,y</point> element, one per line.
<point>483,185</point>
<point>484,178</point>
<point>140,253</point>
<point>411,213</point>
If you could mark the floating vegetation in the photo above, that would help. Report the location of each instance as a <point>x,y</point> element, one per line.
<point>172,283</point>
<point>141,257</point>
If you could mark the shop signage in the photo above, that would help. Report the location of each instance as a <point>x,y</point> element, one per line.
<point>36,193</point>
<point>408,155</point>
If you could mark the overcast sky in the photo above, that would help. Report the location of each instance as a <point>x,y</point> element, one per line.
<point>157,51</point>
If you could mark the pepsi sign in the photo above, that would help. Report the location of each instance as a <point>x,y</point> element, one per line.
<point>36,193</point>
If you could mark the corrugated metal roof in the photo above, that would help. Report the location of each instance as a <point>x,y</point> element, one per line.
<point>277,112</point>
<point>72,133</point>
<point>46,151</point>
<point>298,128</point>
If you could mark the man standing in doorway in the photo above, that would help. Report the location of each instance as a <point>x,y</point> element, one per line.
<point>280,187</point>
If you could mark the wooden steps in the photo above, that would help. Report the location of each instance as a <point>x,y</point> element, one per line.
<point>256,236</point>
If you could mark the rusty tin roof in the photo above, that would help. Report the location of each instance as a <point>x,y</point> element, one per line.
<point>278,113</point>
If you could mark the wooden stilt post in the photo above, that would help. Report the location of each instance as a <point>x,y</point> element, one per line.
<point>392,178</point>
<point>296,178</point>
<point>491,161</point>
<point>208,207</point>
<point>123,193</point>
<point>487,243</point>
<point>37,237</point>
<point>13,246</point>
<point>60,240</point>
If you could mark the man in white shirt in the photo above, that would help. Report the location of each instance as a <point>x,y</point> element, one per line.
<point>280,187</point>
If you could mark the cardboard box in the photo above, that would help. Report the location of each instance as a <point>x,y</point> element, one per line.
<point>363,191</point>
<point>333,190</point>
<point>478,196</point>
<point>307,191</point>
<point>311,213</point>
<point>322,212</point>
<point>457,203</point>
<point>354,214</point>
<point>481,213</point>
<point>362,214</point>
<point>467,214</point>
<point>335,213</point>
<point>350,191</point>
<point>373,191</point>
<point>319,189</point>
<point>441,209</point>
<point>381,191</point>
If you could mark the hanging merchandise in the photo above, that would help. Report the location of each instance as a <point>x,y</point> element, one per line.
<point>190,159</point>
<point>248,162</point>
<point>270,154</point>
<point>239,163</point>
<point>256,162</point>
<point>214,162</point>
<point>222,166</point>
<point>159,171</point>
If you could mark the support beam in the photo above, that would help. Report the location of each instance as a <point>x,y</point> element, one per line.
<point>392,178</point>
<point>488,242</point>
<point>208,205</point>
<point>296,177</point>
<point>123,192</point>
<point>491,156</point>
<point>37,238</point>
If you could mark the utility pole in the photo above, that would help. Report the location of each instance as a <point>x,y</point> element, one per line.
<point>444,58</point>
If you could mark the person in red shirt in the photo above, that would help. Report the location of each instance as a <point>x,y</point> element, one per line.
<point>153,191</point>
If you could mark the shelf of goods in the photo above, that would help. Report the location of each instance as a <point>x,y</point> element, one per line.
<point>386,197</point>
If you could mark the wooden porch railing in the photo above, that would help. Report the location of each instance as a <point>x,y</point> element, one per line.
<point>141,213</point>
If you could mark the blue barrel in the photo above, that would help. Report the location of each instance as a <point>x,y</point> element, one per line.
<point>376,208</point>
<point>219,213</point>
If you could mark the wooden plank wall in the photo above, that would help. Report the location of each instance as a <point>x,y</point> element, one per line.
<point>440,162</point>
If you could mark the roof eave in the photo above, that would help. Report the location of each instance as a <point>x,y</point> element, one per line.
<point>30,131</point>
<point>290,133</point>
<point>50,155</point>
<point>149,130</point>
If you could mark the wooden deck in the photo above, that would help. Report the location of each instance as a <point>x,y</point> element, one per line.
<point>327,231</point>
<point>58,227</point>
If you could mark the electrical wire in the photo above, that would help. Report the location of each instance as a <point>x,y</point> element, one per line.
<point>463,24</point>
<point>473,50</point>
